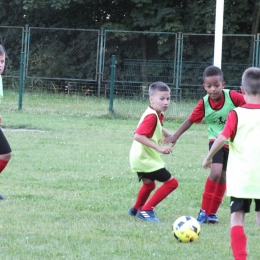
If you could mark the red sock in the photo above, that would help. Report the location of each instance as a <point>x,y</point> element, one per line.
<point>207,196</point>
<point>217,198</point>
<point>3,165</point>
<point>144,194</point>
<point>160,194</point>
<point>238,242</point>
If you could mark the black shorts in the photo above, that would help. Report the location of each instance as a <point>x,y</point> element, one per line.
<point>237,204</point>
<point>4,145</point>
<point>161,175</point>
<point>221,156</point>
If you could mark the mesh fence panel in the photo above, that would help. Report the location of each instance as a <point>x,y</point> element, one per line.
<point>141,58</point>
<point>237,55</point>
<point>63,54</point>
<point>197,54</point>
<point>78,62</point>
<point>61,87</point>
<point>12,40</point>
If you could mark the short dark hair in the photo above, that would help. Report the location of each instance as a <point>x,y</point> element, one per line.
<point>158,85</point>
<point>213,71</point>
<point>251,80</point>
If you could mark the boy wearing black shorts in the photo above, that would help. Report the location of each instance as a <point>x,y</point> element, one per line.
<point>145,159</point>
<point>213,108</point>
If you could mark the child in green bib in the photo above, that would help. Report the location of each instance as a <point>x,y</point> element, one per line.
<point>213,108</point>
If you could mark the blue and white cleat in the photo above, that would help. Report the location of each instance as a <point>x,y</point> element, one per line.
<point>202,218</point>
<point>212,218</point>
<point>147,215</point>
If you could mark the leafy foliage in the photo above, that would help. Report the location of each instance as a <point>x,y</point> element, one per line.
<point>158,15</point>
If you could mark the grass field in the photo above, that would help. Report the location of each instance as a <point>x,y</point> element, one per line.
<point>68,187</point>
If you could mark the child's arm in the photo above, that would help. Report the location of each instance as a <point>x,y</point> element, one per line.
<point>173,138</point>
<point>146,141</point>
<point>166,133</point>
<point>218,143</point>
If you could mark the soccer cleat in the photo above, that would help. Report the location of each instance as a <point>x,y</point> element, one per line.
<point>212,218</point>
<point>132,211</point>
<point>1,197</point>
<point>147,215</point>
<point>202,218</point>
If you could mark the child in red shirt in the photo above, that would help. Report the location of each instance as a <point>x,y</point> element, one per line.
<point>213,108</point>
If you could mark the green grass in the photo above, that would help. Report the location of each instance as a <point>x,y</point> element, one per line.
<point>68,187</point>
<point>42,103</point>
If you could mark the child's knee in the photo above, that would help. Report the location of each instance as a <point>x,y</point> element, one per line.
<point>172,183</point>
<point>151,186</point>
<point>6,157</point>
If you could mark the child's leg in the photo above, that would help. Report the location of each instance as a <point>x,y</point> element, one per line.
<point>217,175</point>
<point>218,194</point>
<point>237,235</point>
<point>144,193</point>
<point>257,209</point>
<point>207,195</point>
<point>161,193</point>
<point>258,217</point>
<point>5,151</point>
<point>210,187</point>
<point>4,159</point>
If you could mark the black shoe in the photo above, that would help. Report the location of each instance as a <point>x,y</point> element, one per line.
<point>132,211</point>
<point>1,197</point>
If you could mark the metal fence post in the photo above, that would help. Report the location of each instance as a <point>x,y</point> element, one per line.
<point>256,56</point>
<point>21,82</point>
<point>178,63</point>
<point>26,48</point>
<point>112,83</point>
<point>100,58</point>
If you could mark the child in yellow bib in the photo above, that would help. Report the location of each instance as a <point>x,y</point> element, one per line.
<point>243,178</point>
<point>145,159</point>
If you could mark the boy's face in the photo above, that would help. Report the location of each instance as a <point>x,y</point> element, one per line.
<point>2,63</point>
<point>160,100</point>
<point>213,86</point>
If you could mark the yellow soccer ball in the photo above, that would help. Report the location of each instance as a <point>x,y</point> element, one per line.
<point>186,229</point>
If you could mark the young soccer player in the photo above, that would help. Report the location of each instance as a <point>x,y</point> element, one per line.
<point>5,150</point>
<point>243,178</point>
<point>145,159</point>
<point>214,108</point>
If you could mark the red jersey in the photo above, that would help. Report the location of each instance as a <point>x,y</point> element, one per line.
<point>198,112</point>
<point>148,125</point>
<point>230,128</point>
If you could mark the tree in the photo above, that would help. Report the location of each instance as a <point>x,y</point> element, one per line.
<point>140,15</point>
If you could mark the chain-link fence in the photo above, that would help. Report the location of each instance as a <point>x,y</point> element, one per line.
<point>77,61</point>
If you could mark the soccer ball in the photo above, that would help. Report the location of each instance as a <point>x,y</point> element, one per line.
<point>186,229</point>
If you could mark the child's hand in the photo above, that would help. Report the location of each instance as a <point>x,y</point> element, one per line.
<point>1,119</point>
<point>164,149</point>
<point>207,163</point>
<point>170,139</point>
